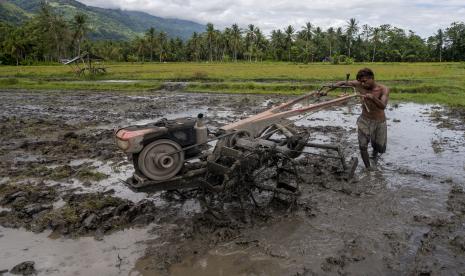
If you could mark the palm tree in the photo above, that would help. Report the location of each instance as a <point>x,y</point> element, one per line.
<point>223,39</point>
<point>260,43</point>
<point>366,32</point>
<point>351,31</point>
<point>331,37</point>
<point>194,46</point>
<point>210,37</point>
<point>278,44</point>
<point>289,39</point>
<point>440,42</point>
<point>374,39</point>
<point>140,45</point>
<point>250,40</point>
<point>236,36</point>
<point>162,41</point>
<point>150,36</point>
<point>318,40</point>
<point>306,34</point>
<point>217,44</point>
<point>80,29</point>
<point>53,30</point>
<point>14,44</point>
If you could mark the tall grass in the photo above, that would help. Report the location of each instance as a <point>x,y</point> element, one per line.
<point>422,82</point>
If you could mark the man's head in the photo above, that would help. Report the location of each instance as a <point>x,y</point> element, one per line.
<point>366,78</point>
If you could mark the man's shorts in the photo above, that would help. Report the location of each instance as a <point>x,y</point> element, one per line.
<point>374,131</point>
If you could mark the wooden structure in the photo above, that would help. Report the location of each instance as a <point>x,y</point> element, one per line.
<point>86,63</point>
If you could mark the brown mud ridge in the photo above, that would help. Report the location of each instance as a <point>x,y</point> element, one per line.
<point>61,171</point>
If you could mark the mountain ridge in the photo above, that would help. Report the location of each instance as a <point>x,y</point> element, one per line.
<point>104,23</point>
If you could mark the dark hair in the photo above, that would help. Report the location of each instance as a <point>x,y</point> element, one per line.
<point>365,72</point>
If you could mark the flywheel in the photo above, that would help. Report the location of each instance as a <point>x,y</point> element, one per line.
<point>157,161</point>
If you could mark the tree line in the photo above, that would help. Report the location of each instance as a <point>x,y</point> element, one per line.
<point>48,37</point>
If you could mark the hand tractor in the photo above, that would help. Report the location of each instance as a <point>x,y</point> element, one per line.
<point>253,155</point>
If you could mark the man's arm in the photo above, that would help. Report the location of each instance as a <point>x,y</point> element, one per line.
<point>382,101</point>
<point>353,83</point>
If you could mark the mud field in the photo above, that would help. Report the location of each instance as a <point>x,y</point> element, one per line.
<point>65,211</point>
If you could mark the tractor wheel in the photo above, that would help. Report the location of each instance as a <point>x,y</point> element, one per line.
<point>156,162</point>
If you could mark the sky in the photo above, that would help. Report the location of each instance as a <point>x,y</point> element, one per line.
<point>423,17</point>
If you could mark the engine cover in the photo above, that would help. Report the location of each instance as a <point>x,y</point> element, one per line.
<point>134,138</point>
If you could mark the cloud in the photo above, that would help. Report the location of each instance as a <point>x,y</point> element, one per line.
<point>424,17</point>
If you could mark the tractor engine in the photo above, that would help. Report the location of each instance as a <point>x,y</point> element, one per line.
<point>156,148</point>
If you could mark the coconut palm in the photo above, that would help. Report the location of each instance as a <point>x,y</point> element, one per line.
<point>140,45</point>
<point>331,38</point>
<point>250,41</point>
<point>162,41</point>
<point>440,43</point>
<point>374,41</point>
<point>277,43</point>
<point>306,34</point>
<point>351,31</point>
<point>150,36</point>
<point>260,44</point>
<point>289,32</point>
<point>236,36</point>
<point>210,35</point>
<point>318,40</point>
<point>79,24</point>
<point>194,46</point>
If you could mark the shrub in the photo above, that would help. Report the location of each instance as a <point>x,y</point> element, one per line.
<point>342,59</point>
<point>199,75</point>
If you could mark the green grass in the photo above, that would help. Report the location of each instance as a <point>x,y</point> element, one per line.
<point>41,84</point>
<point>420,82</point>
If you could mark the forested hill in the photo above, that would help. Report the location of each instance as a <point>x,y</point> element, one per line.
<point>103,23</point>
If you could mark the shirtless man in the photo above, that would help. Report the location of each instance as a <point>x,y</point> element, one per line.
<point>372,123</point>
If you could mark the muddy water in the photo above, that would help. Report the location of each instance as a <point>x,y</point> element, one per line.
<point>415,142</point>
<point>380,223</point>
<point>375,231</point>
<point>114,255</point>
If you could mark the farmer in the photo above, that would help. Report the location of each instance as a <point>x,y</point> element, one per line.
<point>372,122</point>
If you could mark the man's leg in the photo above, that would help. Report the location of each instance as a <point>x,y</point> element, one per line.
<point>379,139</point>
<point>374,154</point>
<point>363,140</point>
<point>365,156</point>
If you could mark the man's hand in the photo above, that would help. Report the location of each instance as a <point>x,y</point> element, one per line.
<point>369,96</point>
<point>363,98</point>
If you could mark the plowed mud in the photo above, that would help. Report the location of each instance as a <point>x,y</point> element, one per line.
<point>63,205</point>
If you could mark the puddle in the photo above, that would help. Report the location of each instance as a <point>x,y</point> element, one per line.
<point>116,174</point>
<point>116,254</point>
